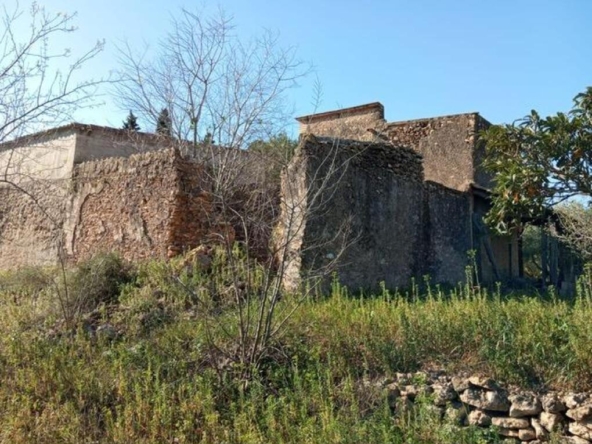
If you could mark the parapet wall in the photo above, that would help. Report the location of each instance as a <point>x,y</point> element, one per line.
<point>348,123</point>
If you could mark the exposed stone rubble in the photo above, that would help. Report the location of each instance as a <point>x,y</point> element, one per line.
<point>517,415</point>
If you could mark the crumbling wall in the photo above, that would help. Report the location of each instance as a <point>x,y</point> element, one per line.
<point>365,196</point>
<point>193,219</point>
<point>122,204</point>
<point>153,204</point>
<point>348,123</point>
<point>446,144</point>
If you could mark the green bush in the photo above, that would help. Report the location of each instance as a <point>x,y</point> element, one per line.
<point>94,282</point>
<point>28,281</point>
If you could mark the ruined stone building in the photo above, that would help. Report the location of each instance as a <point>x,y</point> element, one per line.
<point>417,194</point>
<point>413,195</point>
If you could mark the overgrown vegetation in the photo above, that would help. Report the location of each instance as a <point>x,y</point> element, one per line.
<point>143,364</point>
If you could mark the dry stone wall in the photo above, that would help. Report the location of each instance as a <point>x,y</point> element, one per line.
<point>519,415</point>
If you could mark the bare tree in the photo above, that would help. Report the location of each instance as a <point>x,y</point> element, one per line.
<point>263,222</point>
<point>38,85</point>
<point>40,88</point>
<point>575,228</point>
<point>35,92</point>
<point>212,83</point>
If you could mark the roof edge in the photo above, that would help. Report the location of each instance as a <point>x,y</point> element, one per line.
<point>353,110</point>
<point>425,119</point>
<point>73,127</point>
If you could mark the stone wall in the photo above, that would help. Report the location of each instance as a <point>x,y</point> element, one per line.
<point>400,225</point>
<point>356,193</point>
<point>477,401</point>
<point>122,204</point>
<point>447,145</point>
<point>447,223</point>
<point>347,123</point>
<point>152,204</point>
<point>482,177</point>
<point>31,224</point>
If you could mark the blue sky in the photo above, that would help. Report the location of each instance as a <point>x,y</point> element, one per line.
<point>420,58</point>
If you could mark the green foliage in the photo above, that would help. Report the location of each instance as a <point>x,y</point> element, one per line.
<point>279,147</point>
<point>25,282</point>
<point>94,282</point>
<point>157,383</point>
<point>131,123</point>
<point>275,152</point>
<point>538,162</point>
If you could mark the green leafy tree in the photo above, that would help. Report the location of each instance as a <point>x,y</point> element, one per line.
<point>131,123</point>
<point>539,162</point>
<point>276,152</point>
<point>279,146</point>
<point>163,123</point>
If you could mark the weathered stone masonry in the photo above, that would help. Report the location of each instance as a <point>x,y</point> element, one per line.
<point>410,199</point>
<point>152,204</point>
<point>456,195</point>
<point>477,401</point>
<point>399,225</point>
<point>147,205</point>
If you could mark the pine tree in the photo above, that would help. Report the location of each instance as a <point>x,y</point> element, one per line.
<point>163,123</point>
<point>131,123</point>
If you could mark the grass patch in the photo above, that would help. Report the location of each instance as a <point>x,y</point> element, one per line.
<point>155,381</point>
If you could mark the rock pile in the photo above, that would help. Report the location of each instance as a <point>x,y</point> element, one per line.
<point>519,415</point>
